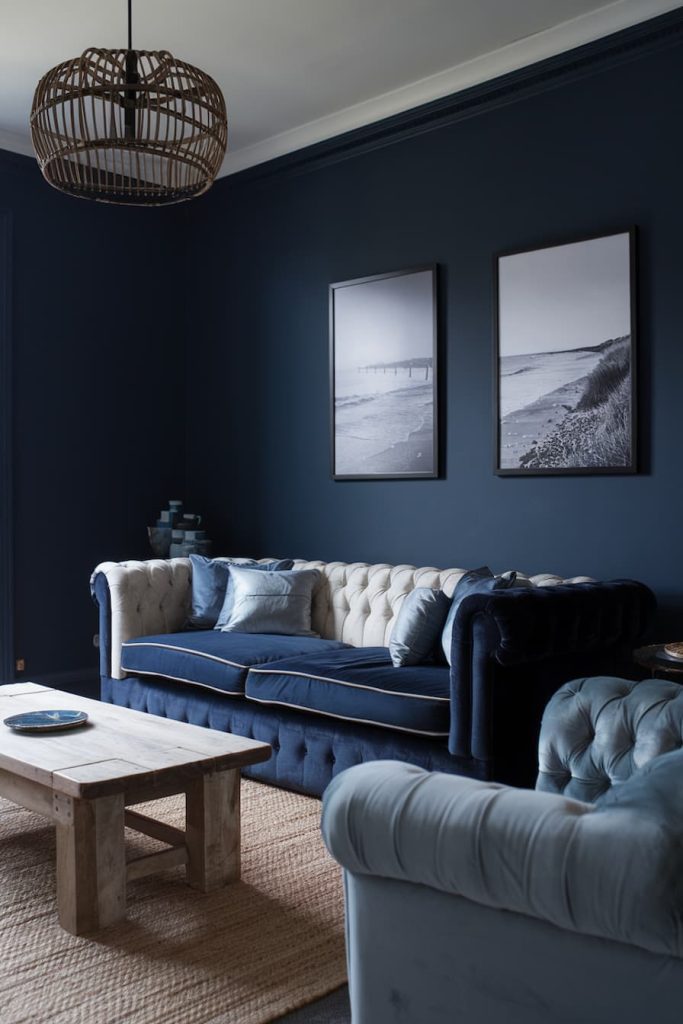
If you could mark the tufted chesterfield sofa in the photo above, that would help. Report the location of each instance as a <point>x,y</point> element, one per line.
<point>471,901</point>
<point>326,704</point>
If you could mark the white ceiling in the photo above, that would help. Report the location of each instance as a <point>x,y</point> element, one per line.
<point>295,72</point>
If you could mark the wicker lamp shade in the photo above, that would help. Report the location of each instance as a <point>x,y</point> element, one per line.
<point>129,126</point>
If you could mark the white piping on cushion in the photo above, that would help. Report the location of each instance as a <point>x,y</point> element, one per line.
<point>184,650</point>
<point>355,602</point>
<point>341,682</point>
<point>343,718</point>
<point>179,679</point>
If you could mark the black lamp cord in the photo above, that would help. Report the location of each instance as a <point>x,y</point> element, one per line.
<point>132,79</point>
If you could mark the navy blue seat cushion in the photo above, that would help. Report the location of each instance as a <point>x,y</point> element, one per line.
<point>214,660</point>
<point>358,684</point>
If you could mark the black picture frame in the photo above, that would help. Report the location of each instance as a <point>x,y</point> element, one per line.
<point>551,442</point>
<point>409,449</point>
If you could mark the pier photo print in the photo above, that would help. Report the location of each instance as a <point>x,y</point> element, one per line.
<point>384,376</point>
<point>565,358</point>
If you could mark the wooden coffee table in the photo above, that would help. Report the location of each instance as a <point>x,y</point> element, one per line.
<point>84,779</point>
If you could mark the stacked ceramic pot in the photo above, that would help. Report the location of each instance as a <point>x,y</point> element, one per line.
<point>178,534</point>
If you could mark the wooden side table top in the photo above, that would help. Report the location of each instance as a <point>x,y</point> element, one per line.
<point>119,750</point>
<point>654,658</point>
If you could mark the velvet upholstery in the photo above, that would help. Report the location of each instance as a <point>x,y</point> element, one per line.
<point>418,627</point>
<point>478,902</point>
<point>216,660</point>
<point>355,602</point>
<point>538,638</point>
<point>358,684</point>
<point>596,732</point>
<point>514,649</point>
<point>477,581</point>
<point>417,956</point>
<point>611,869</point>
<point>308,750</point>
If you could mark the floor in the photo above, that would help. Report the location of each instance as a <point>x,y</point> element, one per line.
<point>332,1009</point>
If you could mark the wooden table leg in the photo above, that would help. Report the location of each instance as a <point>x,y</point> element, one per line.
<point>91,862</point>
<point>212,830</point>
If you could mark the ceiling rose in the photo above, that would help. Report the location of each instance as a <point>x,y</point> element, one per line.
<point>135,127</point>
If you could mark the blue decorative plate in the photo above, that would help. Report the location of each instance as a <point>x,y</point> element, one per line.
<point>46,721</point>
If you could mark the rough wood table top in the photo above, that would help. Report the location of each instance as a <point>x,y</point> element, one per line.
<point>119,750</point>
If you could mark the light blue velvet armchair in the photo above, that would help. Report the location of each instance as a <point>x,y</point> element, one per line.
<point>474,903</point>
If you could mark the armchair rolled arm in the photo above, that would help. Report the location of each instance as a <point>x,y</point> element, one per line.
<point>612,872</point>
<point>138,599</point>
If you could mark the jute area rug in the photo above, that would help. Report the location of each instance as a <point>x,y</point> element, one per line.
<point>244,955</point>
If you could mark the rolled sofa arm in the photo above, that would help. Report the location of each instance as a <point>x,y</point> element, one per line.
<point>139,599</point>
<point>612,872</point>
<point>540,637</point>
<point>536,623</point>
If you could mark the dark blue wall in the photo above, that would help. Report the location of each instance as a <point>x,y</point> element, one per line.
<point>98,400</point>
<point>141,372</point>
<point>596,150</point>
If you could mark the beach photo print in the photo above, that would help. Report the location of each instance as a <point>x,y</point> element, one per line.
<point>383,376</point>
<point>565,358</point>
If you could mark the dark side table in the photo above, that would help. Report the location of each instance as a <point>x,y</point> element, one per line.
<point>654,658</point>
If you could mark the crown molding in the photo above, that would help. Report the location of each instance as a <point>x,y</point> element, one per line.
<point>569,35</point>
<point>650,37</point>
<point>615,17</point>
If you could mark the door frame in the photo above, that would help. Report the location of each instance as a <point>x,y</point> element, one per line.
<point>6,447</point>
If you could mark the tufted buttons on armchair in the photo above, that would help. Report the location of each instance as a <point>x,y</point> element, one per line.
<point>476,902</point>
<point>597,732</point>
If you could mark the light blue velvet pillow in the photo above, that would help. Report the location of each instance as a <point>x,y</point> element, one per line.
<point>418,626</point>
<point>210,578</point>
<point>476,581</point>
<point>271,602</point>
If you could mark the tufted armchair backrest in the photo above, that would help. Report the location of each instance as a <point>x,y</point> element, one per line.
<point>596,732</point>
<point>355,602</point>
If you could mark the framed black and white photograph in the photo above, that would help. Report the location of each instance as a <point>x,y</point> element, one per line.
<point>565,366</point>
<point>383,376</point>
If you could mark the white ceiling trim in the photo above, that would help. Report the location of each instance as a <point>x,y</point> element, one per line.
<point>15,143</point>
<point>585,29</point>
<point>610,18</point>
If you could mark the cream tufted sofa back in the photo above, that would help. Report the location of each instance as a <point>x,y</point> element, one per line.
<point>355,602</point>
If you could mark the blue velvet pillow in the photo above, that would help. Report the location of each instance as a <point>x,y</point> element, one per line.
<point>476,581</point>
<point>418,626</point>
<point>271,602</point>
<point>210,577</point>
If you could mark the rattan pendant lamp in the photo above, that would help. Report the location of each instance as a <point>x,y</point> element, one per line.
<point>129,126</point>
